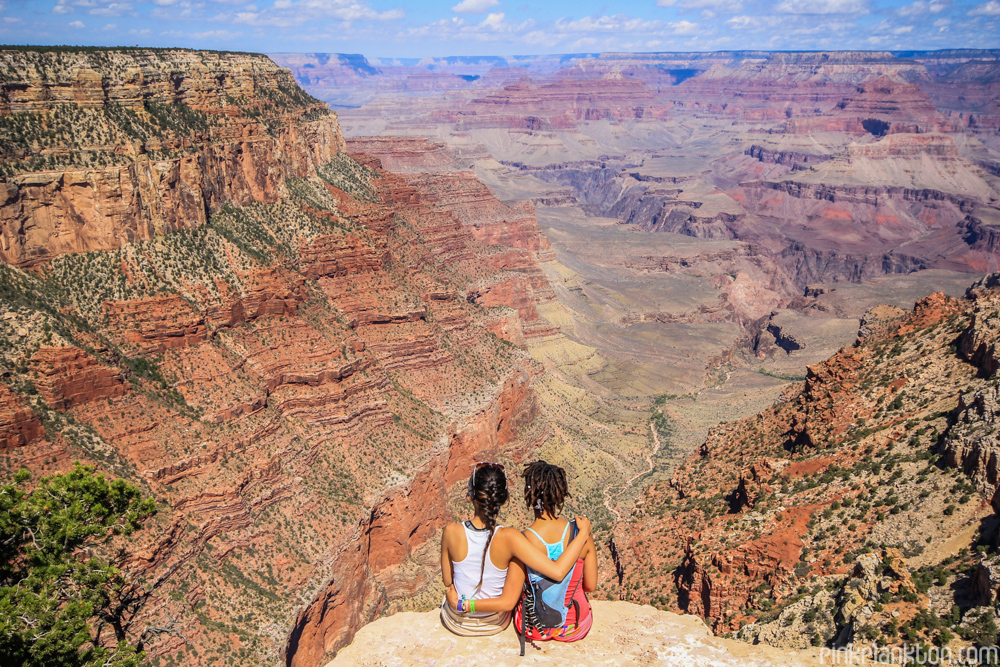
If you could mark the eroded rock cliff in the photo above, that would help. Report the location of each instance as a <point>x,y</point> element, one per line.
<point>848,509</point>
<point>298,366</point>
<point>107,147</point>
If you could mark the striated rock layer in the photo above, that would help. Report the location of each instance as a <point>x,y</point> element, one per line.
<point>146,142</point>
<point>759,530</point>
<point>299,376</point>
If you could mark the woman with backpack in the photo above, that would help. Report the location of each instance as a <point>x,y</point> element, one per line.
<point>481,560</point>
<point>554,609</point>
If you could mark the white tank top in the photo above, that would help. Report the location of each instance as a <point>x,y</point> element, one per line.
<point>466,572</point>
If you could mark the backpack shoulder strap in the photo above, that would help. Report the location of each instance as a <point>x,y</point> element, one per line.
<point>572,595</point>
<point>524,623</point>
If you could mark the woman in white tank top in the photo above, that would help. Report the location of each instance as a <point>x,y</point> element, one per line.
<point>477,555</point>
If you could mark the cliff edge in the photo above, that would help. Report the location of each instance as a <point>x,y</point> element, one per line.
<point>623,634</point>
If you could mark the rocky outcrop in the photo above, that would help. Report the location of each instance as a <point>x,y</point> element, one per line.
<point>622,634</point>
<point>560,104</point>
<point>888,98</point>
<point>405,154</point>
<point>67,376</point>
<point>787,158</point>
<point>19,425</point>
<point>776,504</point>
<point>870,195</point>
<point>978,343</point>
<point>492,221</point>
<point>184,132</point>
<point>340,256</point>
<point>938,146</point>
<point>971,443</point>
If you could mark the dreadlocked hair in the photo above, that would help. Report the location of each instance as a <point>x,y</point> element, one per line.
<point>545,487</point>
<point>488,490</point>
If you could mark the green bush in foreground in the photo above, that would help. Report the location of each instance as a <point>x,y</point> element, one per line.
<point>60,604</point>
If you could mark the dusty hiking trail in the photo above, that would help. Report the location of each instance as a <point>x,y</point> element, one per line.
<point>608,497</point>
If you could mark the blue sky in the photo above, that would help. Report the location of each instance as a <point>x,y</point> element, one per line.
<point>418,28</point>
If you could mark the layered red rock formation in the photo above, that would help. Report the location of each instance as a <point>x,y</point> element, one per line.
<point>272,396</point>
<point>219,148</point>
<point>772,503</point>
<point>560,104</point>
<point>66,377</point>
<point>889,99</point>
<point>19,425</point>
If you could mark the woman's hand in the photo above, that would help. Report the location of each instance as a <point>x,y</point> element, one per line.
<point>583,525</point>
<point>451,596</point>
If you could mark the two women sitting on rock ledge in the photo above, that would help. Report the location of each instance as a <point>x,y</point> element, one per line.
<point>486,567</point>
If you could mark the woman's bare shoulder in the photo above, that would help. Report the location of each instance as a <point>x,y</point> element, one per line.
<point>507,533</point>
<point>452,530</point>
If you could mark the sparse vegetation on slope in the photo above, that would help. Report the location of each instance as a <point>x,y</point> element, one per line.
<point>851,509</point>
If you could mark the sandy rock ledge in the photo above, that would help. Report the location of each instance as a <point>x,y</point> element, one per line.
<point>623,634</point>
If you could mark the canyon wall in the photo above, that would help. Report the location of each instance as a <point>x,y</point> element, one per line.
<point>290,348</point>
<point>854,472</point>
<point>145,142</point>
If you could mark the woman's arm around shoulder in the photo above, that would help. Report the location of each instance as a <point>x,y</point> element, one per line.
<point>517,545</point>
<point>513,585</point>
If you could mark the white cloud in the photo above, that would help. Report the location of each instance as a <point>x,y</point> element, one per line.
<point>112,9</point>
<point>474,6</point>
<point>683,27</point>
<point>584,43</point>
<point>208,34</point>
<point>494,28</point>
<point>494,21</point>
<point>854,7</point>
<point>10,19</point>
<point>920,7</point>
<point>93,7</point>
<point>717,5</point>
<point>286,13</point>
<point>617,23</point>
<point>773,25</point>
<point>991,8</point>
<point>77,24</point>
<point>902,30</point>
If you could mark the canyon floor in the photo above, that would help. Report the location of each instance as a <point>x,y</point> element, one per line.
<point>718,222</point>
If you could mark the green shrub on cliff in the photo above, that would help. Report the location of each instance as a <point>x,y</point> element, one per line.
<point>62,604</point>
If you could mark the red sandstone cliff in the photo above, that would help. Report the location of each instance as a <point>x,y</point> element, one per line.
<point>146,142</point>
<point>773,508</point>
<point>295,366</point>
